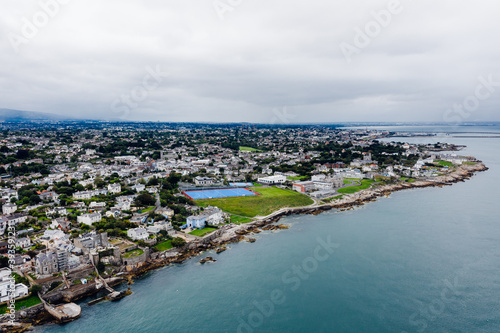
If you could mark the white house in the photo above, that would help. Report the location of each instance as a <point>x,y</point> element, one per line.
<point>9,208</point>
<point>16,218</point>
<point>196,221</point>
<point>56,210</point>
<point>89,219</point>
<point>83,195</point>
<point>138,233</point>
<point>97,205</point>
<point>114,188</point>
<point>24,242</point>
<point>7,284</point>
<point>214,215</point>
<point>139,187</point>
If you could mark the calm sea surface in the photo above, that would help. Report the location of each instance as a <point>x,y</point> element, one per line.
<point>423,260</point>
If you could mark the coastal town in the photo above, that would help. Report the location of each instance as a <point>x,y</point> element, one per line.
<point>87,206</point>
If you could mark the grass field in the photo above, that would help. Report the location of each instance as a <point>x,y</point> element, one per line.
<point>297,178</point>
<point>249,149</point>
<point>270,200</point>
<point>202,232</point>
<point>365,183</point>
<point>164,246</point>
<point>240,219</point>
<point>146,210</point>
<point>134,253</point>
<point>337,197</point>
<point>22,303</point>
<point>445,164</point>
<point>347,181</point>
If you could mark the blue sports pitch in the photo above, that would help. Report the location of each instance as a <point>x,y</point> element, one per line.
<point>225,193</point>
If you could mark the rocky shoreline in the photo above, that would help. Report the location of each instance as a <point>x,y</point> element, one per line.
<point>221,237</point>
<point>237,234</point>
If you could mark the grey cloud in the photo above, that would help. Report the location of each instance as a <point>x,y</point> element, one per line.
<point>263,55</point>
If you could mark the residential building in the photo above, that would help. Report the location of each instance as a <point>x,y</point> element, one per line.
<point>24,242</point>
<point>89,218</point>
<point>91,240</point>
<point>9,208</point>
<point>7,285</point>
<point>46,263</point>
<point>138,233</point>
<point>114,188</point>
<point>196,221</point>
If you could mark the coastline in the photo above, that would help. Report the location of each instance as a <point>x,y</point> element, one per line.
<point>238,233</point>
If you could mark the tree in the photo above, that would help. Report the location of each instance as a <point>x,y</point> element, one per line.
<point>36,288</point>
<point>4,261</point>
<point>153,181</point>
<point>23,154</point>
<point>101,267</point>
<point>178,242</point>
<point>145,199</point>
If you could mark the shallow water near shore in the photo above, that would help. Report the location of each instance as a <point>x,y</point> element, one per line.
<point>422,260</point>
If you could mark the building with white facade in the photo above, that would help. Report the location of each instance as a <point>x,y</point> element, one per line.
<point>9,208</point>
<point>138,233</point>
<point>89,218</point>
<point>7,284</point>
<point>272,180</point>
<point>114,188</point>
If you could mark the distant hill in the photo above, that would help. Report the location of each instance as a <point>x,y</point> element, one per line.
<point>9,115</point>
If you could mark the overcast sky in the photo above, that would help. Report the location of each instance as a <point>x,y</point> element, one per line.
<point>261,61</point>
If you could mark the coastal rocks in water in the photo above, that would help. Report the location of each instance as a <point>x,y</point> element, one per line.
<point>251,240</point>
<point>275,227</point>
<point>220,249</point>
<point>243,232</point>
<point>207,259</point>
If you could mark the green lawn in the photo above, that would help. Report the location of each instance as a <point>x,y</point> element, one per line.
<point>270,200</point>
<point>146,210</point>
<point>249,149</point>
<point>202,232</point>
<point>365,183</point>
<point>22,303</point>
<point>297,178</point>
<point>164,246</point>
<point>337,197</point>
<point>347,182</point>
<point>134,253</point>
<point>445,164</point>
<point>240,219</point>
